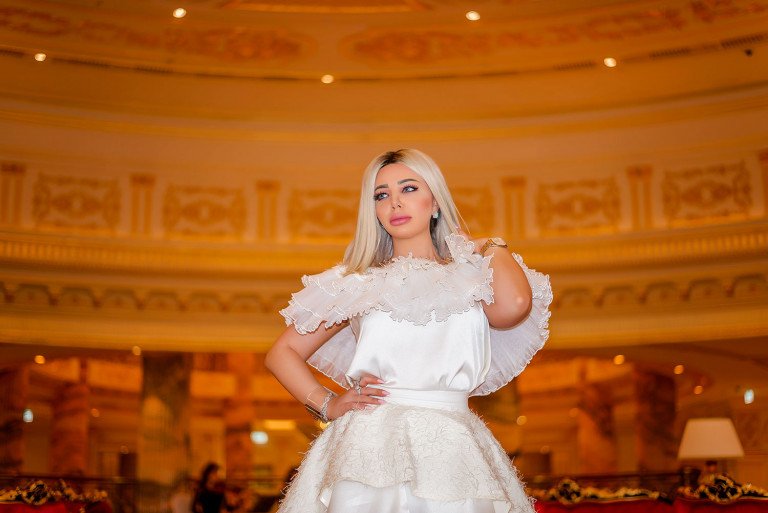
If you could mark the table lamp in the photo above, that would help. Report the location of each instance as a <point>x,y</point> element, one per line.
<point>710,439</point>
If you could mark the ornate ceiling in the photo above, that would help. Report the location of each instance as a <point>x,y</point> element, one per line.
<point>551,54</point>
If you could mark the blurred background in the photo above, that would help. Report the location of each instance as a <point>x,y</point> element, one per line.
<point>169,170</point>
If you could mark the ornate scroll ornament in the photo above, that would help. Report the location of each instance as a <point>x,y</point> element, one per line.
<point>586,206</point>
<point>720,192</point>
<point>477,208</point>
<point>321,214</point>
<point>202,212</point>
<point>81,203</point>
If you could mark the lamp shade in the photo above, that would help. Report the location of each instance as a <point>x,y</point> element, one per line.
<point>710,439</point>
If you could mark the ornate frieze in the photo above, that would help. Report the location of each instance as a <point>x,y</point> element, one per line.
<point>715,193</point>
<point>68,202</point>
<point>322,214</point>
<point>584,206</point>
<point>477,207</point>
<point>191,211</point>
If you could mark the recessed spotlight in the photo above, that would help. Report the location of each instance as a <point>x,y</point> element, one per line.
<point>28,416</point>
<point>619,359</point>
<point>610,62</point>
<point>679,369</point>
<point>522,419</point>
<point>698,389</point>
<point>136,350</point>
<point>472,15</point>
<point>179,13</point>
<point>749,396</point>
<point>39,359</point>
<point>327,79</point>
<point>573,413</point>
<point>95,412</point>
<point>40,56</point>
<point>545,449</point>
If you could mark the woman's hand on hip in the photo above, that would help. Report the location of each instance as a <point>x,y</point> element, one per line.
<point>358,397</point>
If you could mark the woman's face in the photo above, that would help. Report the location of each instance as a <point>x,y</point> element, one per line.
<point>404,203</point>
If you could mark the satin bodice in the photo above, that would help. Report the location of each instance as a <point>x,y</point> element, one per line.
<point>451,355</point>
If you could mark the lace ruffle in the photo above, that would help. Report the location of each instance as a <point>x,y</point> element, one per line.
<point>442,455</point>
<point>418,291</point>
<point>409,288</point>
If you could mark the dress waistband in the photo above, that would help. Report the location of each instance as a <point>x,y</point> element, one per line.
<point>442,399</point>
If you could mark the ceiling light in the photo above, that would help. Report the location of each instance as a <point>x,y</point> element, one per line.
<point>522,419</point>
<point>136,350</point>
<point>28,416</point>
<point>95,412</point>
<point>679,369</point>
<point>40,56</point>
<point>619,359</point>
<point>610,62</point>
<point>473,15</point>
<point>259,437</point>
<point>327,79</point>
<point>749,396</point>
<point>39,359</point>
<point>698,389</point>
<point>179,13</point>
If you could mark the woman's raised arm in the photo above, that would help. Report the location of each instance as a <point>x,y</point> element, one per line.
<point>511,291</point>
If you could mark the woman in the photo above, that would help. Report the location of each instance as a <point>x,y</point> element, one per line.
<point>416,319</point>
<point>209,497</point>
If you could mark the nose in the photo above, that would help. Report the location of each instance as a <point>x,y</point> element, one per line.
<point>395,202</point>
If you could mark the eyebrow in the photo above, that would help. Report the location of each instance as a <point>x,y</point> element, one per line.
<point>399,182</point>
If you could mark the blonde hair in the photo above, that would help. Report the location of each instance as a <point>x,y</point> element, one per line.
<point>372,245</point>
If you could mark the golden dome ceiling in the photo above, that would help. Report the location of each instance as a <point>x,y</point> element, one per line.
<point>399,59</point>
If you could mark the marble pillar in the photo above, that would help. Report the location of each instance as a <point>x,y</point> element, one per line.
<point>70,423</point>
<point>238,415</point>
<point>164,440</point>
<point>655,409</point>
<point>596,440</point>
<point>14,390</point>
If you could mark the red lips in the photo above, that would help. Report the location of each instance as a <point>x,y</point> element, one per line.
<point>398,220</point>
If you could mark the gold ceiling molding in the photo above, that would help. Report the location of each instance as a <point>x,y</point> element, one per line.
<point>194,211</point>
<point>438,45</point>
<point>326,7</point>
<point>665,110</point>
<point>744,240</point>
<point>637,295</point>
<point>223,42</point>
<point>80,203</point>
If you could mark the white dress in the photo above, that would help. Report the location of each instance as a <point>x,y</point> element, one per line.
<point>421,328</point>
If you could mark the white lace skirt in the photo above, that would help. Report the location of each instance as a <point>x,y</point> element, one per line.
<point>406,459</point>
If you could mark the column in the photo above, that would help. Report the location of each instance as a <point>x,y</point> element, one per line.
<point>655,442</point>
<point>163,441</point>
<point>238,415</point>
<point>70,422</point>
<point>142,188</point>
<point>11,181</point>
<point>514,202</point>
<point>762,157</point>
<point>266,210</point>
<point>14,390</point>
<point>640,192</point>
<point>596,439</point>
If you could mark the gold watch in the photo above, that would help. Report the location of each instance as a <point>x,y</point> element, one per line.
<point>493,242</point>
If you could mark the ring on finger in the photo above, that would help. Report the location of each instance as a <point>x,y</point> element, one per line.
<point>358,388</point>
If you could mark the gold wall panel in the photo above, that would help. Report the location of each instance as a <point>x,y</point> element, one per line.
<point>73,203</point>
<point>477,207</point>
<point>203,212</point>
<point>578,207</point>
<point>322,214</point>
<point>715,193</point>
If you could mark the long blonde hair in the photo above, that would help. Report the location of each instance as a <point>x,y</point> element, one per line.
<point>371,244</point>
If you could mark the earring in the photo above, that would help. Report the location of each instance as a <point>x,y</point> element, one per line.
<point>436,214</point>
